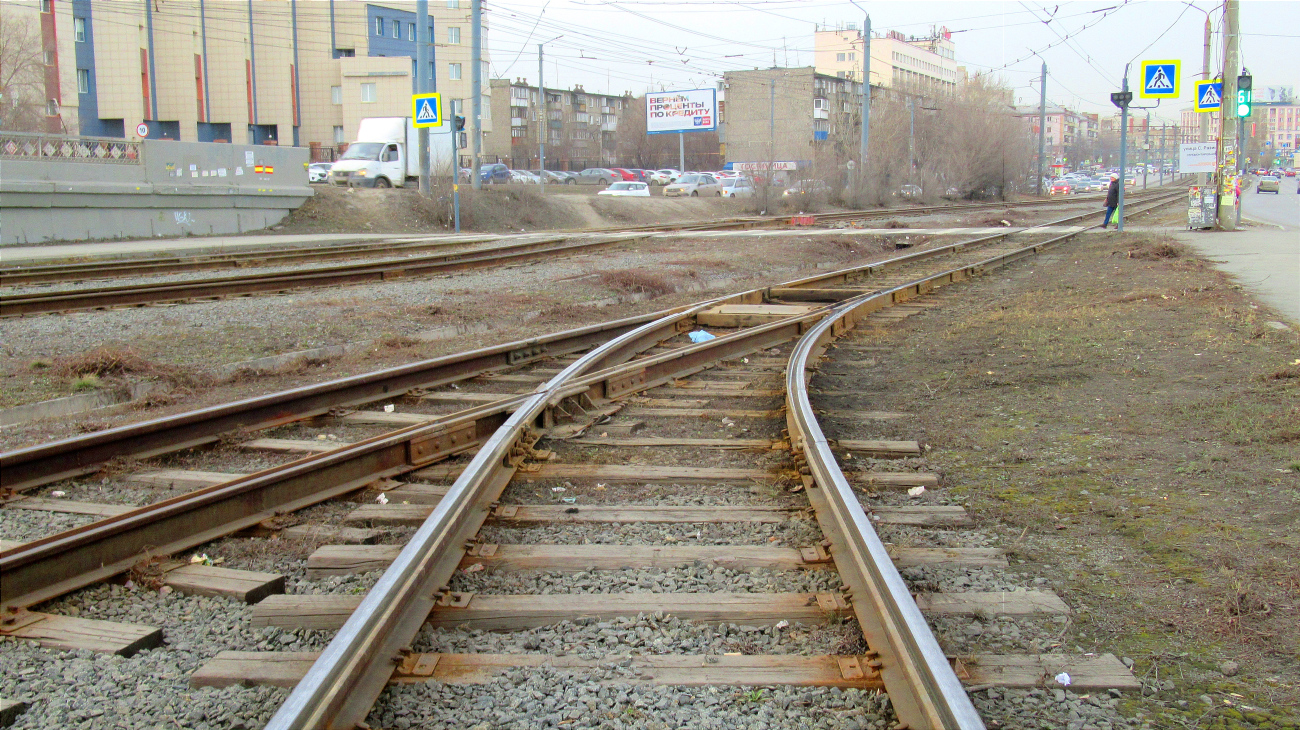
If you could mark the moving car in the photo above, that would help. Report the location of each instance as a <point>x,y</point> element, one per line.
<point>1060,187</point>
<point>693,184</point>
<point>736,187</point>
<point>1268,184</point>
<point>627,190</point>
<point>910,191</point>
<point>598,176</point>
<point>804,188</point>
<point>319,172</point>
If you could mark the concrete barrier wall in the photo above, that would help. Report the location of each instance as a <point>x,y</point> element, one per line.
<point>168,189</point>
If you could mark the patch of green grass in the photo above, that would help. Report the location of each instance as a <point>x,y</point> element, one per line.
<point>87,383</point>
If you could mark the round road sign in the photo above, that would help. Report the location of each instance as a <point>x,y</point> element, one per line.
<point>142,130</point>
<point>851,164</point>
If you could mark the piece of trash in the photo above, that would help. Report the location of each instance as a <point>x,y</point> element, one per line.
<point>782,624</point>
<point>1005,222</point>
<point>58,493</point>
<point>200,559</point>
<point>699,336</point>
<point>568,500</point>
<point>321,437</point>
<point>389,408</point>
<point>1063,679</point>
<point>601,487</point>
<point>455,387</point>
<point>476,567</point>
<point>571,511</point>
<point>743,359</point>
<point>557,489</point>
<point>916,491</point>
<point>382,498</point>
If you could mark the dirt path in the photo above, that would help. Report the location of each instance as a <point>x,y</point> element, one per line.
<point>1124,418</point>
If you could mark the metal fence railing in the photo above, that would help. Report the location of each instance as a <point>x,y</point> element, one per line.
<point>25,145</point>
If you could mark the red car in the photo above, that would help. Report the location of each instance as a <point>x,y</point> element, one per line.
<point>1059,187</point>
<point>1290,173</point>
<point>628,175</point>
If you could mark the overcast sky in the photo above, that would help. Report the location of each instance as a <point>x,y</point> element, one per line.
<point>615,46</point>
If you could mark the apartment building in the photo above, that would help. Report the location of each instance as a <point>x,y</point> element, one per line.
<point>1190,123</point>
<point>579,126</point>
<point>1070,136</point>
<point>249,71</point>
<point>923,63</point>
<point>797,118</point>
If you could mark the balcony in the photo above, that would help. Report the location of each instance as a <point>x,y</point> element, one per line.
<point>606,127</point>
<point>555,124</point>
<point>821,114</point>
<point>515,122</point>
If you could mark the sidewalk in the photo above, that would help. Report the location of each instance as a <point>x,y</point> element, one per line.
<point>1264,259</point>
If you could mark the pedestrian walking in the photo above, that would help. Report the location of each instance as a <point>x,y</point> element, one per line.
<point>1112,199</point>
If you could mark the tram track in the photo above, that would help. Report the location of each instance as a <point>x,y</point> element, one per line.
<point>400,260</point>
<point>634,357</point>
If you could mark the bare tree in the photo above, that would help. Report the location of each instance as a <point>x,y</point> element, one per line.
<point>22,74</point>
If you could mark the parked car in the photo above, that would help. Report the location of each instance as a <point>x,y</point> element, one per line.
<point>599,176</point>
<point>524,177</point>
<point>495,173</point>
<point>804,188</point>
<point>627,190</point>
<point>736,187</point>
<point>1268,184</point>
<point>669,175</point>
<point>319,172</point>
<point>627,174</point>
<point>693,184</point>
<point>909,192</point>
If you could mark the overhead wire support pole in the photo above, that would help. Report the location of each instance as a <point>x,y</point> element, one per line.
<point>476,91</point>
<point>1228,106</point>
<point>1123,155</point>
<point>1146,150</point>
<point>866,99</point>
<point>544,120</point>
<point>422,86</point>
<point>1042,125</point>
<point>681,151</point>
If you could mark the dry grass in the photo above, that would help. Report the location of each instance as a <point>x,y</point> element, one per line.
<point>119,363</point>
<point>632,281</point>
<point>1157,251</point>
<point>896,224</point>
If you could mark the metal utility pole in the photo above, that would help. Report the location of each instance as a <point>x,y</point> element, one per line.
<point>545,120</point>
<point>1163,127</point>
<point>911,139</point>
<point>1228,112</point>
<point>476,89</point>
<point>771,143</point>
<point>1204,177</point>
<point>422,87</point>
<point>681,151</point>
<point>866,98</point>
<point>1123,154</point>
<point>1042,124</point>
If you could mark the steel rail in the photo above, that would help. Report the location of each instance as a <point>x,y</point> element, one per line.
<point>923,689</point>
<point>141,294</point>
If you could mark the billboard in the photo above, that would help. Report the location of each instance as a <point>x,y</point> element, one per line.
<point>670,112</point>
<point>1197,157</point>
<point>1275,95</point>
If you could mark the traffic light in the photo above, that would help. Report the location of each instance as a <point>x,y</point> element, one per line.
<point>460,123</point>
<point>1244,95</point>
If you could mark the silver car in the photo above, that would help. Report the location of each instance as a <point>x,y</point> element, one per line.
<point>736,187</point>
<point>693,185</point>
<point>598,176</point>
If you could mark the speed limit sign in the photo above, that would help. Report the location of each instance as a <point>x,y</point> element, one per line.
<point>142,130</point>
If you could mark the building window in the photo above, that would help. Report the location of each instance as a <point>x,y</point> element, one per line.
<point>338,134</point>
<point>410,31</point>
<point>379,26</point>
<point>336,94</point>
<point>453,34</point>
<point>397,29</point>
<point>51,108</point>
<point>853,56</point>
<point>368,93</point>
<point>453,71</point>
<point>83,81</point>
<point>45,8</point>
<point>79,29</point>
<point>839,57</point>
<point>49,58</point>
<point>453,4</point>
<point>346,52</point>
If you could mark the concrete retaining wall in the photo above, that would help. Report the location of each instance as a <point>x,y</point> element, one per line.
<point>173,189</point>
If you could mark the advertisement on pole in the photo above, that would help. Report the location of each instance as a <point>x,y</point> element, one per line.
<point>1196,157</point>
<point>670,112</point>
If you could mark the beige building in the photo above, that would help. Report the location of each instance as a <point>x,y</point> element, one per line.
<point>796,118</point>
<point>580,126</point>
<point>301,72</point>
<point>897,61</point>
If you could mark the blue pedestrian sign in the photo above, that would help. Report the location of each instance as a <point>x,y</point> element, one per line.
<point>1160,79</point>
<point>1209,96</point>
<point>426,110</point>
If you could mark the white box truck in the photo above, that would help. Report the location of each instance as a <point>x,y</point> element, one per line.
<point>386,154</point>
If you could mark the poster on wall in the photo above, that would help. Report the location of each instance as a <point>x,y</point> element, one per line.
<point>670,112</point>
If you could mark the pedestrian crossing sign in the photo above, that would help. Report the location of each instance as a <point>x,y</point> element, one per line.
<point>1160,79</point>
<point>426,110</point>
<point>1209,96</point>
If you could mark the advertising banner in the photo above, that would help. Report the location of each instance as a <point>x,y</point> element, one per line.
<point>670,112</point>
<point>1197,157</point>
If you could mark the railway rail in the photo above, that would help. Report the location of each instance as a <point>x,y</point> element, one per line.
<point>415,260</point>
<point>604,367</point>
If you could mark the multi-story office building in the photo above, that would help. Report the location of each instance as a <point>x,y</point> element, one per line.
<point>580,126</point>
<point>897,61</point>
<point>797,118</point>
<point>256,71</point>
